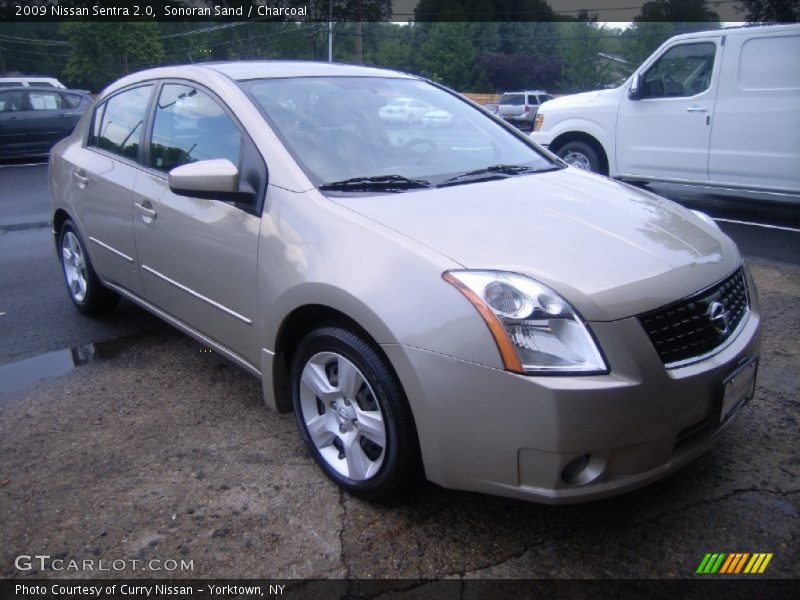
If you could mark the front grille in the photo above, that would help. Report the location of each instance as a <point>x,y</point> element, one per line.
<point>694,327</point>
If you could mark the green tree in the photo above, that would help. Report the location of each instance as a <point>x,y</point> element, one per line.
<point>781,11</point>
<point>662,19</point>
<point>102,52</point>
<point>580,48</point>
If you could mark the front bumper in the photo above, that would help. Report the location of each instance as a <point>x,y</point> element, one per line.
<point>491,431</point>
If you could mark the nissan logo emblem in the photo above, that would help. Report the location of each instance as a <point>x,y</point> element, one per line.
<point>719,317</point>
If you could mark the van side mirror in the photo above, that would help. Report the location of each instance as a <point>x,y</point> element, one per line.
<point>635,91</point>
<point>216,179</point>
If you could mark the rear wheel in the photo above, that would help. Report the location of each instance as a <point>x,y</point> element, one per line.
<point>580,155</point>
<point>83,285</point>
<point>353,414</point>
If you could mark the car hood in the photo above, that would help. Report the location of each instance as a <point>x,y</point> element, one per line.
<point>580,100</point>
<point>611,249</point>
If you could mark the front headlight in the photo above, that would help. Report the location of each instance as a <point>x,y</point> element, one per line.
<point>537,122</point>
<point>536,330</point>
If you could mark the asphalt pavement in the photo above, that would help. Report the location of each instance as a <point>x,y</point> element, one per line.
<point>155,448</point>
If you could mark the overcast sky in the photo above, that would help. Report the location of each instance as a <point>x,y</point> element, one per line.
<point>726,9</point>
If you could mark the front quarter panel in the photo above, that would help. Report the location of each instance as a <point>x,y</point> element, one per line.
<point>316,251</point>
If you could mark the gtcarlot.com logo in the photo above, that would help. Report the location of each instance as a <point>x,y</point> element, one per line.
<point>44,562</point>
<point>734,563</point>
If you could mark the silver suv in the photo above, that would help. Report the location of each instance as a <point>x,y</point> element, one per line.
<point>520,108</point>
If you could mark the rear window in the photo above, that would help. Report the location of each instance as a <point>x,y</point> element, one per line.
<point>770,63</point>
<point>118,122</point>
<point>72,100</point>
<point>512,99</point>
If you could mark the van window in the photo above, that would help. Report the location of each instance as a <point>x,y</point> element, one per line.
<point>771,63</point>
<point>10,83</point>
<point>683,70</point>
<point>46,84</point>
<point>118,127</point>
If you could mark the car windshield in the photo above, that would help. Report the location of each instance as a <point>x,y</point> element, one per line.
<point>345,130</point>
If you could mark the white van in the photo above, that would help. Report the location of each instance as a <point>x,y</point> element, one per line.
<point>50,82</point>
<point>717,108</point>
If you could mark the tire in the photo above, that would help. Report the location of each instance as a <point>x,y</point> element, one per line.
<point>580,155</point>
<point>83,286</point>
<point>361,431</point>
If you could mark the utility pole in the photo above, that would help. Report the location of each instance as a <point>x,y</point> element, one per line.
<point>330,31</point>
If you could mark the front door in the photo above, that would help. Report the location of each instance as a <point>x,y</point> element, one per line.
<point>666,133</point>
<point>12,121</point>
<point>197,257</point>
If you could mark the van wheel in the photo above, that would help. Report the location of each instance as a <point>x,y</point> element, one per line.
<point>580,155</point>
<point>83,285</point>
<point>353,414</point>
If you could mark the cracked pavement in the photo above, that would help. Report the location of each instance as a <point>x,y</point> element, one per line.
<point>161,450</point>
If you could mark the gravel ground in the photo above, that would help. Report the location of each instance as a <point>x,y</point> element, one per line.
<point>162,450</point>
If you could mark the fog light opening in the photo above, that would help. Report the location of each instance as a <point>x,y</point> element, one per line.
<point>583,469</point>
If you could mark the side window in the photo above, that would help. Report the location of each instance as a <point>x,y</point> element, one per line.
<point>189,126</point>
<point>45,100</point>
<point>71,100</point>
<point>118,122</point>
<point>533,100</point>
<point>11,101</point>
<point>683,70</point>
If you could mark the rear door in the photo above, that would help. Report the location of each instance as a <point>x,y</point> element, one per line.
<point>198,257</point>
<point>12,121</point>
<point>102,180</point>
<point>666,133</point>
<point>50,117</point>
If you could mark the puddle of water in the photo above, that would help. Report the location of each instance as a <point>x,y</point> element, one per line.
<point>17,376</point>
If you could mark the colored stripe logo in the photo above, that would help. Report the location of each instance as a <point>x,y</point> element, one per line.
<point>734,563</point>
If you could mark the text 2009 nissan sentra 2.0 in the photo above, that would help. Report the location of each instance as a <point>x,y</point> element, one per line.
<point>448,301</point>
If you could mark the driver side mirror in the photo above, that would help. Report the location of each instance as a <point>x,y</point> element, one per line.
<point>635,91</point>
<point>216,179</point>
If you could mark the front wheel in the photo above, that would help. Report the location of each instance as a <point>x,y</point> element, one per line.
<point>83,285</point>
<point>580,155</point>
<point>353,414</point>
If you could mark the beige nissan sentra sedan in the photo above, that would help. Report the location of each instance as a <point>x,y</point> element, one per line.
<point>451,301</point>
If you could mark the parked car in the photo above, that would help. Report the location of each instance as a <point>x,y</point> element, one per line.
<point>437,118</point>
<point>404,110</point>
<point>32,119</point>
<point>520,108</point>
<point>491,107</point>
<point>466,307</point>
<point>715,108</point>
<point>45,82</point>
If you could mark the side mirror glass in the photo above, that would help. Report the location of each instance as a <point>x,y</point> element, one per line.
<point>216,179</point>
<point>635,91</point>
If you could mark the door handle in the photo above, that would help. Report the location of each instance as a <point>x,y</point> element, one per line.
<point>697,109</point>
<point>80,177</point>
<point>146,210</point>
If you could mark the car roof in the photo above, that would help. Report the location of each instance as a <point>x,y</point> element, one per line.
<point>252,69</point>
<point>258,69</point>
<point>740,30</point>
<point>525,92</point>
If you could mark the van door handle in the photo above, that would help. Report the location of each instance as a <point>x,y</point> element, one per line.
<point>80,177</point>
<point>146,210</point>
<point>699,109</point>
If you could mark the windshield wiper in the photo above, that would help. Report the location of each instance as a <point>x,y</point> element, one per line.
<point>490,173</point>
<point>378,183</point>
